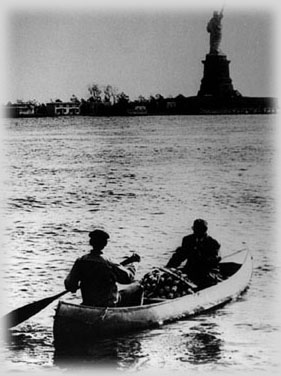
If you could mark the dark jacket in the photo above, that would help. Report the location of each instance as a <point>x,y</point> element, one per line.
<point>98,277</point>
<point>201,255</point>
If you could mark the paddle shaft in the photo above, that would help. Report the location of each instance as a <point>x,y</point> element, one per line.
<point>232,254</point>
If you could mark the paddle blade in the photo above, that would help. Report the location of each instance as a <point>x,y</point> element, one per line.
<point>21,314</point>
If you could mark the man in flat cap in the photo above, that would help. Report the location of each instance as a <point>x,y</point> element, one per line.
<point>201,253</point>
<point>97,276</point>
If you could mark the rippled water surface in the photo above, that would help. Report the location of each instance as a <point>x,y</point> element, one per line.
<point>144,180</point>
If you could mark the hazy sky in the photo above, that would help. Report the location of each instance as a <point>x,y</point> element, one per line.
<point>55,52</point>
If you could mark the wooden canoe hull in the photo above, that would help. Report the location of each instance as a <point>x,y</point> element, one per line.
<point>74,323</point>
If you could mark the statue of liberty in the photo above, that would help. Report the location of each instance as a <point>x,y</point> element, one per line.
<point>214,27</point>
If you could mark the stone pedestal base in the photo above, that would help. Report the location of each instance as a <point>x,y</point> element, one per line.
<point>216,80</point>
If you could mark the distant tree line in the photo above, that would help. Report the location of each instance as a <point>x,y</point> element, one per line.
<point>108,101</point>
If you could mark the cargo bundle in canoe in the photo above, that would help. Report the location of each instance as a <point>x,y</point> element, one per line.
<point>77,323</point>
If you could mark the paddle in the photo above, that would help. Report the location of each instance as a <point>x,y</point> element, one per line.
<point>21,314</point>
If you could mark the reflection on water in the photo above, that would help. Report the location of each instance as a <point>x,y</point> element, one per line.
<point>28,343</point>
<point>202,345</point>
<point>116,353</point>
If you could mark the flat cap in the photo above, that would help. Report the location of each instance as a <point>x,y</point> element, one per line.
<point>98,234</point>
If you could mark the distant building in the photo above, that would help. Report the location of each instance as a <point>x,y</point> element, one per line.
<point>63,108</point>
<point>19,110</point>
<point>138,110</point>
<point>171,105</point>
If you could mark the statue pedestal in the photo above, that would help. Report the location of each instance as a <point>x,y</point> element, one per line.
<point>216,80</point>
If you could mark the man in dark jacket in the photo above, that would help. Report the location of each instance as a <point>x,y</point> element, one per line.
<point>97,276</point>
<point>202,254</point>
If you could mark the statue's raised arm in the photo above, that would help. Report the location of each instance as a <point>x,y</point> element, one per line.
<point>221,12</point>
<point>214,27</point>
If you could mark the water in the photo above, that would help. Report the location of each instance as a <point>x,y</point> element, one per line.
<point>144,180</point>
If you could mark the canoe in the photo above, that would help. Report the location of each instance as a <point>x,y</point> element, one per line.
<point>75,323</point>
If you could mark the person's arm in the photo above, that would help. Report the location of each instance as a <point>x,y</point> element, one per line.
<point>177,258</point>
<point>124,275</point>
<point>71,282</point>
